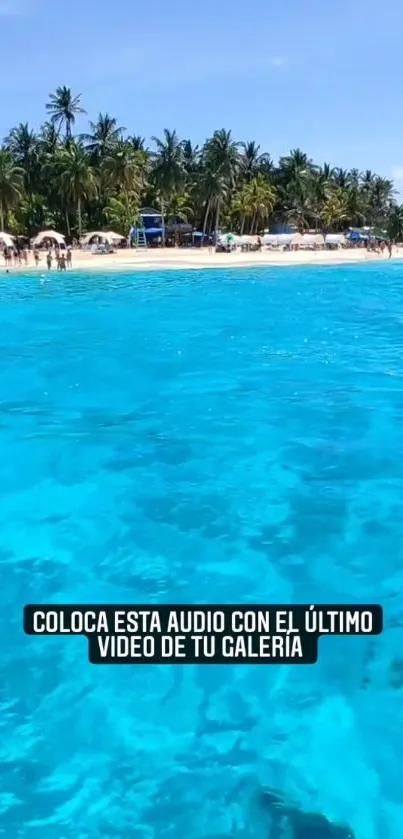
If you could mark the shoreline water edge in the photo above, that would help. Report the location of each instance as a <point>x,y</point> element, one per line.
<point>178,259</point>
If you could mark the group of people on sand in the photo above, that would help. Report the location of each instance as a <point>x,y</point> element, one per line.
<point>379,246</point>
<point>15,256</point>
<point>20,256</point>
<point>63,259</point>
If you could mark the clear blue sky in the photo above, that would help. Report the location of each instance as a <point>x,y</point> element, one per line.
<point>326,77</point>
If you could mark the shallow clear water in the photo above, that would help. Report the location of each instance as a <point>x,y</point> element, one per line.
<point>202,436</point>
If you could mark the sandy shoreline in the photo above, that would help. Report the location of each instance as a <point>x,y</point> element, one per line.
<point>182,259</point>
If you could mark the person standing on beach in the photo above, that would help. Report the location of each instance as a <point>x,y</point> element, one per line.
<point>389,247</point>
<point>49,259</point>
<point>69,257</point>
<point>36,256</point>
<point>62,262</point>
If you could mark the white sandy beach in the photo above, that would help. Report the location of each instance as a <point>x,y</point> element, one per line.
<point>188,259</point>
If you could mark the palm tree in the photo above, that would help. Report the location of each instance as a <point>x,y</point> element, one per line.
<point>105,133</point>
<point>121,212</point>
<point>221,161</point>
<point>168,170</point>
<point>121,167</point>
<point>381,199</point>
<point>137,143</point>
<point>76,177</point>
<point>295,177</point>
<point>354,176</point>
<point>191,158</point>
<point>296,164</point>
<point>395,224</point>
<point>121,171</point>
<point>221,152</point>
<point>241,207</point>
<point>320,187</point>
<point>342,177</point>
<point>179,206</point>
<point>335,209</point>
<point>49,140</point>
<point>11,184</point>
<point>63,108</point>
<point>214,189</point>
<point>255,201</point>
<point>23,144</point>
<point>262,198</point>
<point>253,162</point>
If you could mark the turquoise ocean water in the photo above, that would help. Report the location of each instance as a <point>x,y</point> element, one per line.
<point>201,436</point>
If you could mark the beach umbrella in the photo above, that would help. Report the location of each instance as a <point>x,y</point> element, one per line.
<point>49,234</point>
<point>6,239</point>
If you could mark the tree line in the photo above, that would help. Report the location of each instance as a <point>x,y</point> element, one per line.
<point>70,182</point>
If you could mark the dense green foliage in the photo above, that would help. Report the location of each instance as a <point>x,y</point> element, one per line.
<point>73,183</point>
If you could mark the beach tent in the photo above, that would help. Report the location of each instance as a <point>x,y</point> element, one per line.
<point>102,236</point>
<point>312,240</point>
<point>335,239</point>
<point>6,239</point>
<point>116,237</point>
<point>278,239</point>
<point>94,234</point>
<point>50,235</point>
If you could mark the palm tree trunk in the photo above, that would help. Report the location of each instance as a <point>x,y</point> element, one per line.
<point>68,223</point>
<point>1,215</point>
<point>242,224</point>
<point>162,222</point>
<point>79,217</point>
<point>217,218</point>
<point>128,222</point>
<point>206,215</point>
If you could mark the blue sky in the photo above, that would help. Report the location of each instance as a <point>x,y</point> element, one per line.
<point>326,77</point>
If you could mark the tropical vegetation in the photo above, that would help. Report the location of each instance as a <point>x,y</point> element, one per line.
<point>72,182</point>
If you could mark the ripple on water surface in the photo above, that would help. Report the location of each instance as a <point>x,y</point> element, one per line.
<point>222,436</point>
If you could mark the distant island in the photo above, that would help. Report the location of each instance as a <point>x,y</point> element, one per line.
<point>71,182</point>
